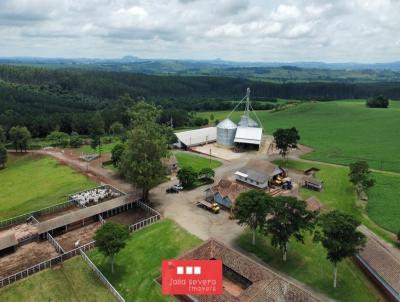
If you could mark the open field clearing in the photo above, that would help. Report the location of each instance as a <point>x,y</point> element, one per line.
<point>138,264</point>
<point>197,162</point>
<point>307,263</point>
<point>72,281</point>
<point>31,182</point>
<point>340,131</point>
<point>339,193</point>
<point>105,148</point>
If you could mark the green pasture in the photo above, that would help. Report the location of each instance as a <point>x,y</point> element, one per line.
<point>340,132</point>
<point>138,264</point>
<point>31,182</point>
<point>338,193</point>
<point>74,280</point>
<point>307,263</point>
<point>197,162</point>
<point>105,148</point>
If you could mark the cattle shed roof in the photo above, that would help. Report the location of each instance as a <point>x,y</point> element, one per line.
<point>81,214</point>
<point>198,136</point>
<point>266,285</point>
<point>248,135</point>
<point>8,239</point>
<point>260,170</point>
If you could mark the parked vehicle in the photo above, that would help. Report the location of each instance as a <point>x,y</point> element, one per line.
<point>178,187</point>
<point>211,206</point>
<point>172,190</point>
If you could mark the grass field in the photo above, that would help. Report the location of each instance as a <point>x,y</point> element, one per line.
<point>31,182</point>
<point>105,148</point>
<point>307,263</point>
<point>340,131</point>
<point>339,193</point>
<point>196,162</point>
<point>73,281</point>
<point>383,201</point>
<point>138,264</point>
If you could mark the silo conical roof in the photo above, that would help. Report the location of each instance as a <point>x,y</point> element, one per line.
<point>227,124</point>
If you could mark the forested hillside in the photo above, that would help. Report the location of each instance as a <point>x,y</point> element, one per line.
<point>46,98</point>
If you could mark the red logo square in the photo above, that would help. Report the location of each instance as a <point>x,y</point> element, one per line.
<point>192,277</point>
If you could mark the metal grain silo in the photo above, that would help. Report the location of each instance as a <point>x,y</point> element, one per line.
<point>226,131</point>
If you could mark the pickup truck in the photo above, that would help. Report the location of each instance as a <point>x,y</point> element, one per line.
<point>211,206</point>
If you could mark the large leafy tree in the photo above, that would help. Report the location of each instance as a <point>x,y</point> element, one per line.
<point>20,137</point>
<point>206,173</point>
<point>360,175</point>
<point>339,236</point>
<point>288,218</point>
<point>251,209</point>
<point>187,176</point>
<point>286,139</point>
<point>3,155</point>
<point>96,131</point>
<point>58,138</point>
<point>117,153</point>
<point>2,135</point>
<point>146,145</point>
<point>118,130</point>
<point>110,239</point>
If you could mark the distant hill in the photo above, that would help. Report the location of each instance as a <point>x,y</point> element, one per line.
<point>271,72</point>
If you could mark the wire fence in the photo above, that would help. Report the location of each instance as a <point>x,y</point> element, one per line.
<point>102,278</point>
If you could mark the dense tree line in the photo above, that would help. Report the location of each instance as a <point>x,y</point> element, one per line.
<point>46,99</point>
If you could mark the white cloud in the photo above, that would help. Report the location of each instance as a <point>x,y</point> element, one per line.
<point>289,30</point>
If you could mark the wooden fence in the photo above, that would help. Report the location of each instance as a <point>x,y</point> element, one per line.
<point>137,226</point>
<point>55,244</point>
<point>24,217</point>
<point>102,278</point>
<point>45,264</point>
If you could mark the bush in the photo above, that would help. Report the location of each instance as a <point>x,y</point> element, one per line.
<point>75,140</point>
<point>116,154</point>
<point>378,102</point>
<point>187,176</point>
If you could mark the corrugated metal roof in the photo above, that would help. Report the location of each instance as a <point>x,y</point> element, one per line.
<point>247,121</point>
<point>198,136</point>
<point>81,214</point>
<point>248,135</point>
<point>227,124</point>
<point>8,239</point>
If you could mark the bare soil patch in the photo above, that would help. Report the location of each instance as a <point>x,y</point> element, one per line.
<point>129,217</point>
<point>84,234</point>
<point>26,256</point>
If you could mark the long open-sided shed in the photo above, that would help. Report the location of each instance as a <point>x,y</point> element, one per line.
<point>8,241</point>
<point>197,137</point>
<point>84,214</point>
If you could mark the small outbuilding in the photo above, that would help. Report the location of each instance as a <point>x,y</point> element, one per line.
<point>225,192</point>
<point>261,174</point>
<point>313,183</point>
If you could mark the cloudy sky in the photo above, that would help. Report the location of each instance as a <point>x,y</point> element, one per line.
<point>243,30</point>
